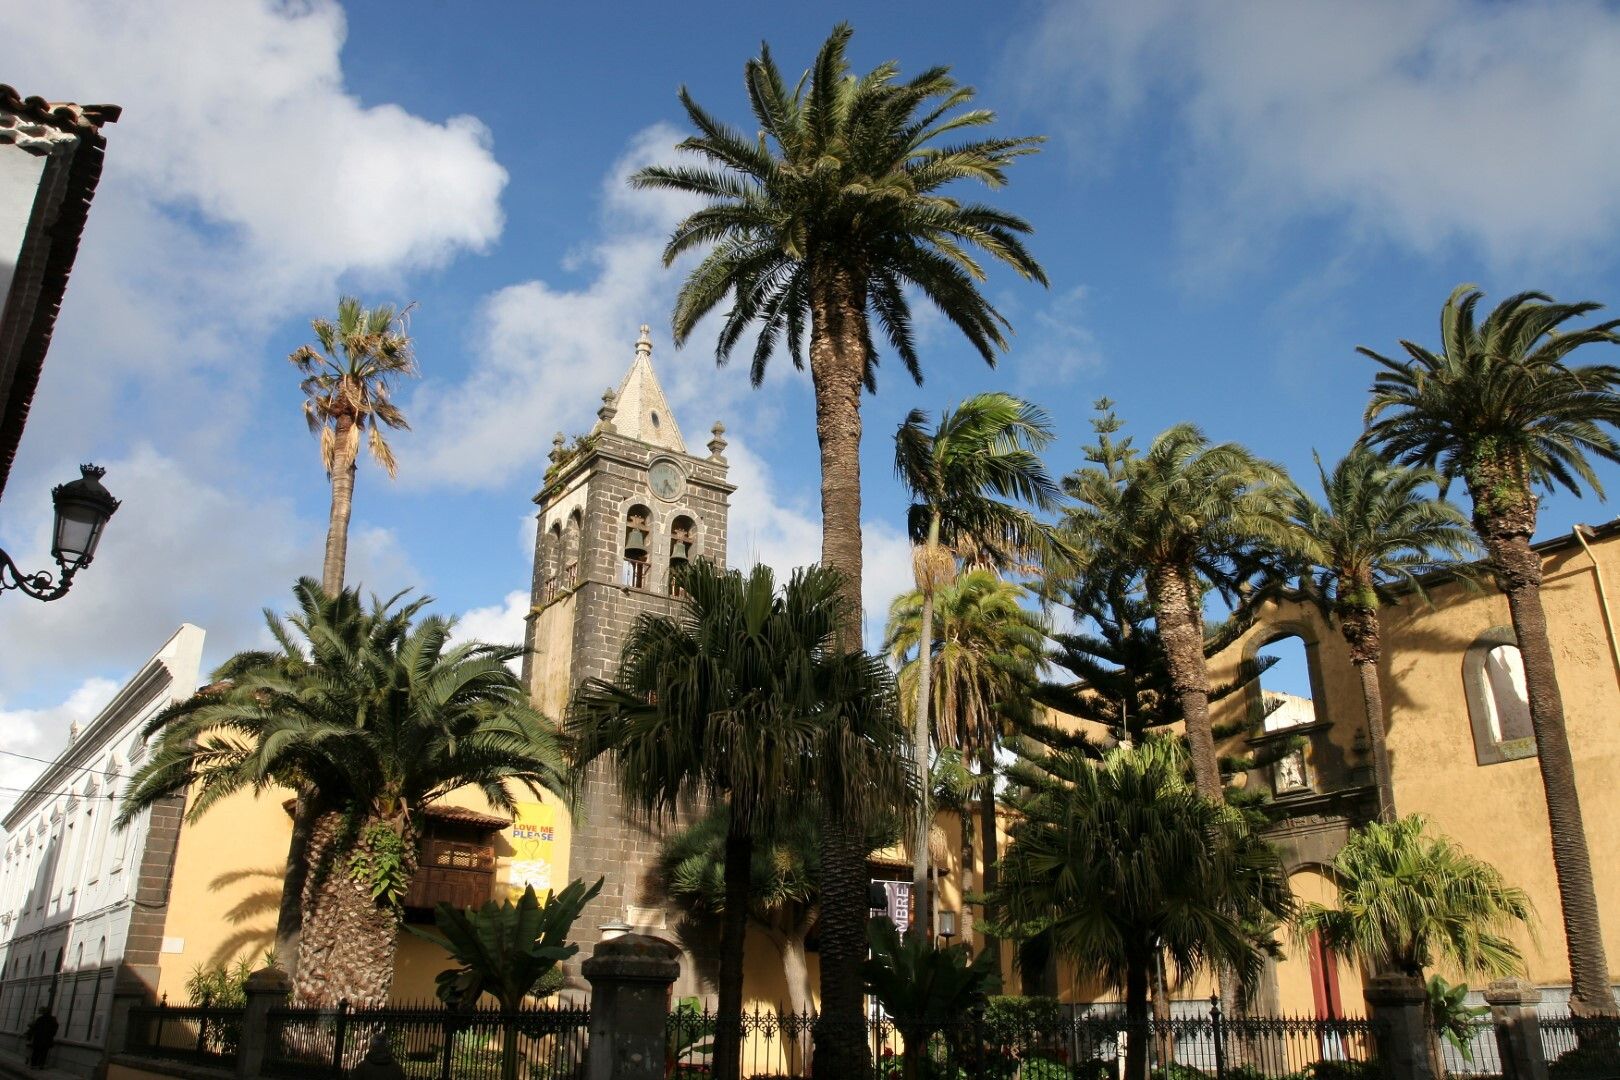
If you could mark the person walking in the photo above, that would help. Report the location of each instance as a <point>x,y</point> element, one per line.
<point>41,1036</point>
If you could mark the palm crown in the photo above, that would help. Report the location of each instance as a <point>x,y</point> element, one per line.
<point>844,177</point>
<point>1499,404</point>
<point>1378,530</point>
<point>990,648</point>
<point>746,694</point>
<point>377,715</point>
<point>1408,900</point>
<point>967,475</point>
<point>347,383</point>
<point>1183,503</point>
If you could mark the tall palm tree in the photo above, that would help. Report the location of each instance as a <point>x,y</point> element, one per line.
<point>988,657</point>
<point>1500,406</point>
<point>746,697</point>
<point>1379,529</point>
<point>966,478</point>
<point>1408,900</point>
<point>347,386</point>
<point>381,716</point>
<point>1121,858</point>
<point>825,218</point>
<point>1186,511</point>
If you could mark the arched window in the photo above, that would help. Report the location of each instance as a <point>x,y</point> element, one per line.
<point>550,561</point>
<point>1498,706</point>
<point>1286,701</point>
<point>682,550</point>
<point>571,550</point>
<point>637,542</point>
<point>93,1025</point>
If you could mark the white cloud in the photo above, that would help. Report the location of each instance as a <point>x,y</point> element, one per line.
<point>179,549</point>
<point>243,181</point>
<point>785,533</point>
<point>1426,124</point>
<point>497,624</point>
<point>27,734</point>
<point>1059,345</point>
<point>237,111</point>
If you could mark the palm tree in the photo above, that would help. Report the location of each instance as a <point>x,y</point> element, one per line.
<point>347,386</point>
<point>376,713</point>
<point>1408,900</point>
<point>826,218</point>
<point>1185,511</point>
<point>746,698</point>
<point>1121,858</point>
<point>1378,530</point>
<point>965,478</point>
<point>988,656</point>
<point>1500,406</point>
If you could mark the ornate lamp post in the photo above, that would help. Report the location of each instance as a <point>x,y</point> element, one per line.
<point>82,509</point>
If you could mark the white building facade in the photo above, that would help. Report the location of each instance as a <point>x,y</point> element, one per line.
<point>82,903</point>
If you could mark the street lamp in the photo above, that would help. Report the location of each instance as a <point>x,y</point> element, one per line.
<point>947,925</point>
<point>82,509</point>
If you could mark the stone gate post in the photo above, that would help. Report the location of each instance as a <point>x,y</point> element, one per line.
<point>630,979</point>
<point>1518,1030</point>
<point>266,988</point>
<point>1398,1007</point>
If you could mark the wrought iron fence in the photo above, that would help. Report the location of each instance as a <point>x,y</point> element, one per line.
<point>202,1034</point>
<point>1474,1054</point>
<point>430,1041</point>
<point>1578,1048</point>
<point>1060,1042</point>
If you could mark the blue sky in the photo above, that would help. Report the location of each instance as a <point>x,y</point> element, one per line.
<point>1231,199</point>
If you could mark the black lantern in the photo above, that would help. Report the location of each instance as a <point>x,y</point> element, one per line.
<point>83,507</point>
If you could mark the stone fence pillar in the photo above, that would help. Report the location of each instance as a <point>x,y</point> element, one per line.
<point>1398,1007</point>
<point>1518,1030</point>
<point>266,989</point>
<point>630,979</point>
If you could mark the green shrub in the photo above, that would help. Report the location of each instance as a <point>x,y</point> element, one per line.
<point>1177,1071</point>
<point>1595,1060</point>
<point>1040,1068</point>
<point>1345,1070</point>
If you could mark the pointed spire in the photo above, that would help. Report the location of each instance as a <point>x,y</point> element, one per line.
<point>642,411</point>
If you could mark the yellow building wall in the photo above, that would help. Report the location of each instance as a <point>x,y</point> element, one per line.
<point>226,888</point>
<point>1496,812</point>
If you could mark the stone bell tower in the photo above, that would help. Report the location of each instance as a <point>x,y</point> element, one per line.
<point>620,508</point>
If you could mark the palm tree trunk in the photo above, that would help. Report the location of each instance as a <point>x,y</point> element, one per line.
<point>1164,1041</point>
<point>347,948</point>
<point>988,847</point>
<point>1137,973</point>
<point>1189,677</point>
<point>837,371</point>
<point>1518,569</point>
<point>337,528</point>
<point>290,916</point>
<point>1360,629</point>
<point>920,731</point>
<point>841,1044</point>
<point>733,936</point>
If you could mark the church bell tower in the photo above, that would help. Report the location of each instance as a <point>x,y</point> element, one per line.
<point>620,509</point>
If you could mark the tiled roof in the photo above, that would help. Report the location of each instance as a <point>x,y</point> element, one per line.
<point>48,277</point>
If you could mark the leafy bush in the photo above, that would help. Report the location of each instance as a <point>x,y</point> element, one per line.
<point>1595,1060</point>
<point>1177,1071</point>
<point>223,987</point>
<point>1040,1068</point>
<point>1346,1070</point>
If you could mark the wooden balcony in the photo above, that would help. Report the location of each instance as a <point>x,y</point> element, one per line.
<point>460,873</point>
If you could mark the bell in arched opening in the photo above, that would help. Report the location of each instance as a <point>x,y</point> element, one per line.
<point>682,549</point>
<point>637,543</point>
